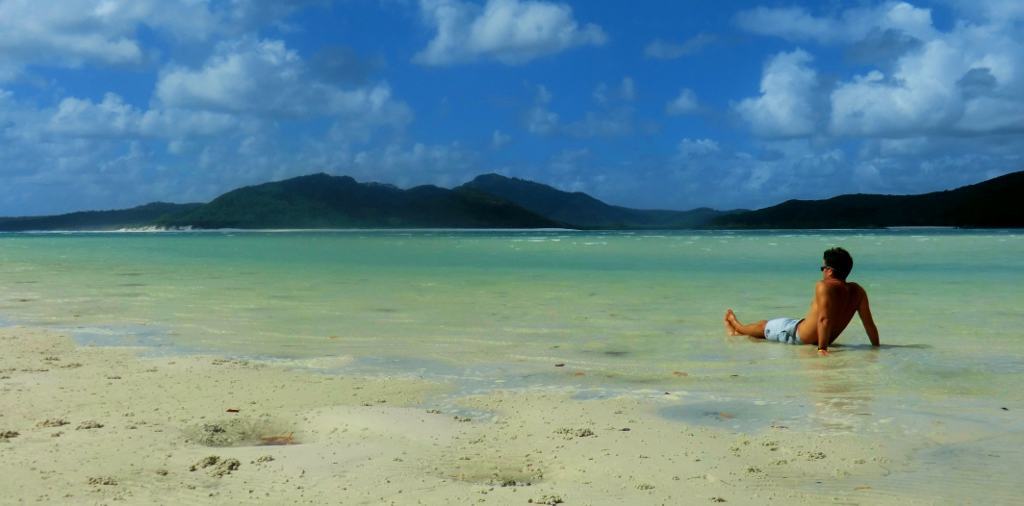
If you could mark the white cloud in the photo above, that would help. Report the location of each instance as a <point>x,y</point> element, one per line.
<point>968,81</point>
<point>247,14</point>
<point>667,50</point>
<point>265,78</point>
<point>613,123</point>
<point>696,148</point>
<point>915,100</point>
<point>786,106</point>
<point>685,103</point>
<point>407,165</point>
<point>539,119</point>
<point>72,33</point>
<point>609,122</point>
<point>628,89</point>
<point>543,95</point>
<point>74,119</point>
<point>568,162</point>
<point>499,139</point>
<point>75,33</point>
<point>112,117</point>
<point>509,31</point>
<point>996,12</point>
<point>627,92</point>
<point>794,23</point>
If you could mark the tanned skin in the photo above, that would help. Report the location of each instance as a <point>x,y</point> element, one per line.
<point>833,306</point>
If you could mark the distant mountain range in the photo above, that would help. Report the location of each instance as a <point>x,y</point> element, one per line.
<point>580,210</point>
<point>494,201</point>
<point>990,204</point>
<point>323,201</point>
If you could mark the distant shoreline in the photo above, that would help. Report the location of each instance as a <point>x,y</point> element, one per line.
<point>498,230</point>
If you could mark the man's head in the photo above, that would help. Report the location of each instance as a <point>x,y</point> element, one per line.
<point>839,261</point>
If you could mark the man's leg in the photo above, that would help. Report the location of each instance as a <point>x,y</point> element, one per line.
<point>750,329</point>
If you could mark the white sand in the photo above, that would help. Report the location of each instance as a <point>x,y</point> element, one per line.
<point>373,441</point>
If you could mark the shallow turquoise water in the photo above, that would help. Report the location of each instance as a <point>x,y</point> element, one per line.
<point>625,312</point>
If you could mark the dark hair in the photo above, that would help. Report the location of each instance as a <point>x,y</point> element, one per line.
<point>840,261</point>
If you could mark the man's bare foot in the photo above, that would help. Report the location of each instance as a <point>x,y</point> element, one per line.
<point>730,328</point>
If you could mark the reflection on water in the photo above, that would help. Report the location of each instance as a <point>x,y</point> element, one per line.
<point>841,389</point>
<point>740,415</point>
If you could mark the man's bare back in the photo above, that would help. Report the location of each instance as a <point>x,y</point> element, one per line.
<point>837,301</point>
<point>834,303</point>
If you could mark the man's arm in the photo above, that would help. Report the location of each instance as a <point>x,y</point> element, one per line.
<point>865,317</point>
<point>823,300</point>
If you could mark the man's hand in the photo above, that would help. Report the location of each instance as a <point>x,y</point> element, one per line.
<point>822,352</point>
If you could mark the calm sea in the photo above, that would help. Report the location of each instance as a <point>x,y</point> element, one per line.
<point>626,313</point>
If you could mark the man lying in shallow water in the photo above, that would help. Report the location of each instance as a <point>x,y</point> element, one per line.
<point>833,306</point>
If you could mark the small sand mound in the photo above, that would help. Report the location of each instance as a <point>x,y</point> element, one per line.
<point>547,499</point>
<point>242,431</point>
<point>102,480</point>
<point>220,465</point>
<point>572,433</point>
<point>493,471</point>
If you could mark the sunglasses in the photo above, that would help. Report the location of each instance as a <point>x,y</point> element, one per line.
<point>823,267</point>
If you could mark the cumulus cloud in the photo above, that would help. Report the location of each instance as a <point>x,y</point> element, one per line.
<point>265,78</point>
<point>509,31</point>
<point>913,101</point>
<point>84,154</point>
<point>787,104</point>
<point>112,117</point>
<point>795,23</point>
<point>685,103</point>
<point>922,81</point>
<point>968,81</point>
<point>76,32</point>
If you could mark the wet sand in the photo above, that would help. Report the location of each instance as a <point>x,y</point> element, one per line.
<point>97,425</point>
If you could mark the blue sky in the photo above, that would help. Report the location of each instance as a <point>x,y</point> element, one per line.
<point>652,104</point>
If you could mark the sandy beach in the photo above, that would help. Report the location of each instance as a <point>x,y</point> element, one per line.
<point>103,425</point>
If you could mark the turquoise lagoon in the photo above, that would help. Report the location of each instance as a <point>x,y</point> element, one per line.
<point>627,313</point>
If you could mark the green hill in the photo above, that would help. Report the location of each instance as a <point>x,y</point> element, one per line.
<point>989,204</point>
<point>323,201</point>
<point>493,201</point>
<point>582,210</point>
<point>141,216</point>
